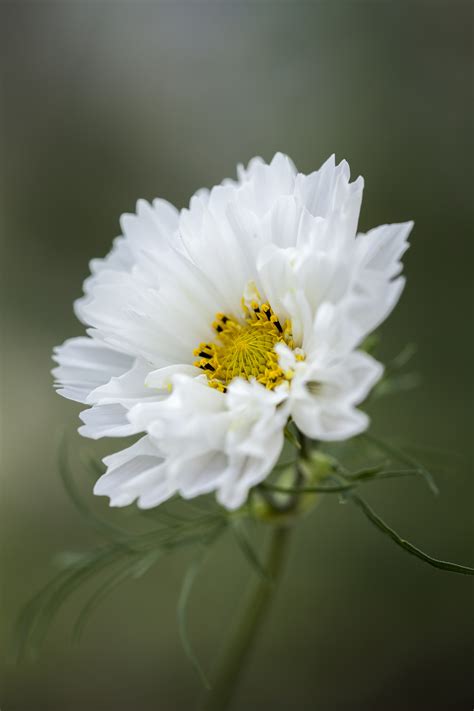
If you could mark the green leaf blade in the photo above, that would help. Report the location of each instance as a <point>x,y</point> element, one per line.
<point>406,545</point>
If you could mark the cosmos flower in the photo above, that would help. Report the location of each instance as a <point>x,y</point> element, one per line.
<point>210,329</point>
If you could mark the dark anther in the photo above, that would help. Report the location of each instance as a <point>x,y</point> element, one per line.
<point>219,329</point>
<point>208,366</point>
<point>203,354</point>
<point>224,319</point>
<point>278,325</point>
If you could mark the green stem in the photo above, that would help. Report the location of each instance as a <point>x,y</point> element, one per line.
<point>306,446</point>
<point>230,668</point>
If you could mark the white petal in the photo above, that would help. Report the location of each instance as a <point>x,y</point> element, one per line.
<point>85,364</point>
<point>255,439</point>
<point>323,398</point>
<point>374,291</point>
<point>381,249</point>
<point>211,441</point>
<point>135,472</point>
<point>331,424</point>
<point>106,421</point>
<point>162,379</point>
<point>201,474</point>
<point>264,184</point>
<point>328,193</point>
<point>127,389</point>
<point>152,229</point>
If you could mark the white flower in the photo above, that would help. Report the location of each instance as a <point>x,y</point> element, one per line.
<point>209,328</point>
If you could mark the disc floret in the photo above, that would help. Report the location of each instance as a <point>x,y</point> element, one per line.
<point>245,348</point>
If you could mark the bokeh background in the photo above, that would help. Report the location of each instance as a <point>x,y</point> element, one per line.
<point>107,102</point>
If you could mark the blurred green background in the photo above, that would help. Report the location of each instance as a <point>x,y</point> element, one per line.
<point>104,103</point>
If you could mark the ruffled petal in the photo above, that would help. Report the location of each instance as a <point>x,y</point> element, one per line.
<point>135,473</point>
<point>84,365</point>
<point>106,421</point>
<point>211,441</point>
<point>328,193</point>
<point>126,389</point>
<point>324,397</point>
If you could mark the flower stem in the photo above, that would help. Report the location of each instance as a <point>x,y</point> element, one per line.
<point>306,446</point>
<point>230,668</point>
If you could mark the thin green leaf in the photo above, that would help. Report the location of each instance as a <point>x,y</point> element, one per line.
<point>285,465</point>
<point>291,438</point>
<point>321,489</point>
<point>370,343</point>
<point>398,383</point>
<point>366,473</point>
<point>403,457</point>
<point>68,587</point>
<point>183,601</point>
<point>405,545</point>
<point>36,615</point>
<point>136,568</point>
<point>131,570</point>
<point>68,483</point>
<point>248,550</point>
<point>405,355</point>
<point>93,465</point>
<point>395,474</point>
<point>352,479</point>
<point>102,591</point>
<point>163,516</point>
<point>201,533</point>
<point>375,473</point>
<point>143,564</point>
<point>25,622</point>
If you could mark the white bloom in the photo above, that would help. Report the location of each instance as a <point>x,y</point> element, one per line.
<point>209,328</point>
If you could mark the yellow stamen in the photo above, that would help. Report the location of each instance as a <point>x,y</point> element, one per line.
<point>246,348</point>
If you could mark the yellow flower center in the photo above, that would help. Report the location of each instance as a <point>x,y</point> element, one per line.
<point>246,348</point>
